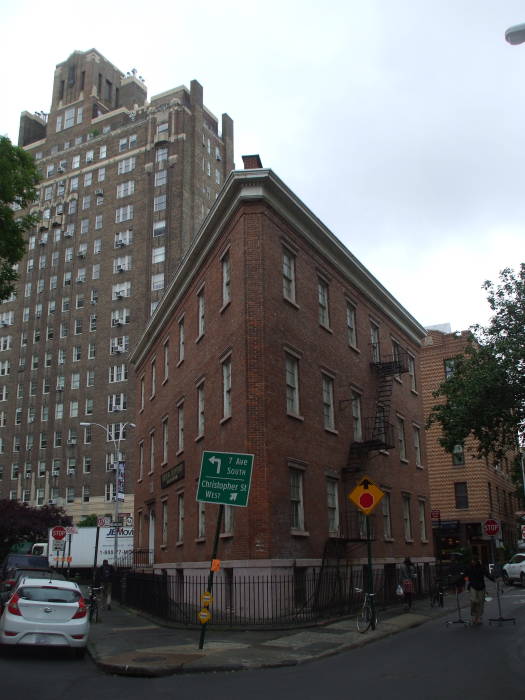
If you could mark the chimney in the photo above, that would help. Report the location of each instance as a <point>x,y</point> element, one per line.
<point>252,162</point>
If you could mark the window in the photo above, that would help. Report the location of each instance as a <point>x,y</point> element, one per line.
<point>412,372</point>
<point>417,445</point>
<point>85,494</point>
<point>161,177</point>
<point>374,343</point>
<point>332,499</point>
<point>180,427</point>
<point>226,389</point>
<point>351,328</point>
<point>151,451</point>
<point>181,340</point>
<point>201,305</point>
<point>126,165</point>
<point>458,456</point>
<point>159,202</point>
<point>201,526</point>
<point>226,279</point>
<point>227,523</point>
<point>141,460</point>
<point>324,315</point>
<point>461,494</point>
<point>449,367</point>
<point>180,526</point>
<point>158,255</point>
<point>159,228</point>
<point>164,540</point>
<point>292,385</point>
<point>153,377</point>
<point>124,213</point>
<point>157,282</point>
<point>356,417</point>
<point>328,403</point>
<point>401,439</point>
<point>161,155</point>
<point>200,410</point>
<point>407,519</point>
<point>296,499</point>
<point>422,521</point>
<point>387,517</point>
<point>124,189</point>
<point>165,436</point>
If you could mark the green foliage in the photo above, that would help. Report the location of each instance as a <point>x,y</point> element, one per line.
<point>18,180</point>
<point>485,396</point>
<point>88,521</point>
<point>20,522</point>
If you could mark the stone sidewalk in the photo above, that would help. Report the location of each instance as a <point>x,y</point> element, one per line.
<point>128,643</point>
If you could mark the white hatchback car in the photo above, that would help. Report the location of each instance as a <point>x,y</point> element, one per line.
<point>514,570</point>
<point>46,613</point>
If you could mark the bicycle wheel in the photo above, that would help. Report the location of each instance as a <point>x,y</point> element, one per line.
<point>93,611</point>
<point>364,618</point>
<point>434,599</point>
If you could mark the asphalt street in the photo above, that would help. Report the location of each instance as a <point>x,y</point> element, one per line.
<point>435,661</point>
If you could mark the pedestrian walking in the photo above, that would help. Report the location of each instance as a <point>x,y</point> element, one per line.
<point>105,577</point>
<point>407,575</point>
<point>476,575</point>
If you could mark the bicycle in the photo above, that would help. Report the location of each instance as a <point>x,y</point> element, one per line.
<point>93,603</point>
<point>367,616</point>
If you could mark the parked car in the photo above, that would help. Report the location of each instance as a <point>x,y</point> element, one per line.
<point>8,586</point>
<point>22,561</point>
<point>51,613</point>
<point>514,570</point>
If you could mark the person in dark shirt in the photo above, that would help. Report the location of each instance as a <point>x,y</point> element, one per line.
<point>105,576</point>
<point>476,574</point>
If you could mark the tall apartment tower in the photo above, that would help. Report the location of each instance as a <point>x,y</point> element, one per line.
<point>125,186</point>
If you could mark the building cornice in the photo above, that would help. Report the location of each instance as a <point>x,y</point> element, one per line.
<point>265,186</point>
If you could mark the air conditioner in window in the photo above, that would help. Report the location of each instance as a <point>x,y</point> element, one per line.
<point>5,323</point>
<point>120,268</point>
<point>79,280</point>
<point>99,193</point>
<point>119,295</point>
<point>67,281</point>
<point>52,501</point>
<point>42,242</point>
<point>68,234</point>
<point>71,472</point>
<point>60,170</point>
<point>120,244</point>
<point>116,322</point>
<point>93,301</point>
<point>71,443</point>
<point>81,254</point>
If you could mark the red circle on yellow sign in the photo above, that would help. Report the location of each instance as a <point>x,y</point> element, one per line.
<point>366,500</point>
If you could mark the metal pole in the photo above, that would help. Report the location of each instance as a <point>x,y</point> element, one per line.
<point>370,580</point>
<point>116,448</point>
<point>210,575</point>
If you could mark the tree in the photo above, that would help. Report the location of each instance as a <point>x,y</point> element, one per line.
<point>88,521</point>
<point>20,522</point>
<point>485,396</point>
<point>18,179</point>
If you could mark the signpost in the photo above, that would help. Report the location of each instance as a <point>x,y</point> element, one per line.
<point>225,479</point>
<point>367,496</point>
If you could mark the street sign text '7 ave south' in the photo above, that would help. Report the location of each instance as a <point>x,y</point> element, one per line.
<point>225,478</point>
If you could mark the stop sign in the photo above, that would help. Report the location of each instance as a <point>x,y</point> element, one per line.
<point>58,532</point>
<point>491,527</point>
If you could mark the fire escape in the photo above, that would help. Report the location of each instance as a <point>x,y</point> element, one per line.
<point>376,434</point>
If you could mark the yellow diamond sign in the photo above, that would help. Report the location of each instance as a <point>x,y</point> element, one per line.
<point>366,495</point>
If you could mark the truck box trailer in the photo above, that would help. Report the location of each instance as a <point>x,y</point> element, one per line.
<point>76,550</point>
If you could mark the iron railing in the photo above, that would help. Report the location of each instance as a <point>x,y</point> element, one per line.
<point>302,598</point>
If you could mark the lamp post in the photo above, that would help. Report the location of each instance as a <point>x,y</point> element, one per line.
<point>116,455</point>
<point>516,34</point>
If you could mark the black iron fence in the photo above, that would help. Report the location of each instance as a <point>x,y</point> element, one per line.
<point>302,598</point>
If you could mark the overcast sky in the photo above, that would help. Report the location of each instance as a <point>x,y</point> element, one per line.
<point>399,123</point>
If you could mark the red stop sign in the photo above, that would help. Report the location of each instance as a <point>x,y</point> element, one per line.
<point>491,527</point>
<point>58,532</point>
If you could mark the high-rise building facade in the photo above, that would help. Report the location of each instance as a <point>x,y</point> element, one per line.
<point>125,186</point>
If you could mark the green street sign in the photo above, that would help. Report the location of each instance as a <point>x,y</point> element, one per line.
<point>225,478</point>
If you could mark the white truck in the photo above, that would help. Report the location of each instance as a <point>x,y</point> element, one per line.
<point>74,548</point>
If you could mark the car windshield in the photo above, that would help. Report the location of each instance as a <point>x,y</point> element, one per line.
<point>39,573</point>
<point>49,594</point>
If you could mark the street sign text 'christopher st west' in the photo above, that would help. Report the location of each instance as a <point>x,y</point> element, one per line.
<point>225,478</point>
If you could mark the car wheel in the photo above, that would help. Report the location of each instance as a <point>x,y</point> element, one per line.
<point>79,652</point>
<point>506,579</point>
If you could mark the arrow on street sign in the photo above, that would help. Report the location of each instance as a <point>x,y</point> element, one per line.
<point>366,495</point>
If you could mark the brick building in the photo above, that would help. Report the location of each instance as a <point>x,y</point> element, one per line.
<point>272,339</point>
<point>125,186</point>
<point>465,489</point>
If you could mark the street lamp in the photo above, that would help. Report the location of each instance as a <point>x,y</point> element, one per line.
<point>515,34</point>
<point>116,455</point>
